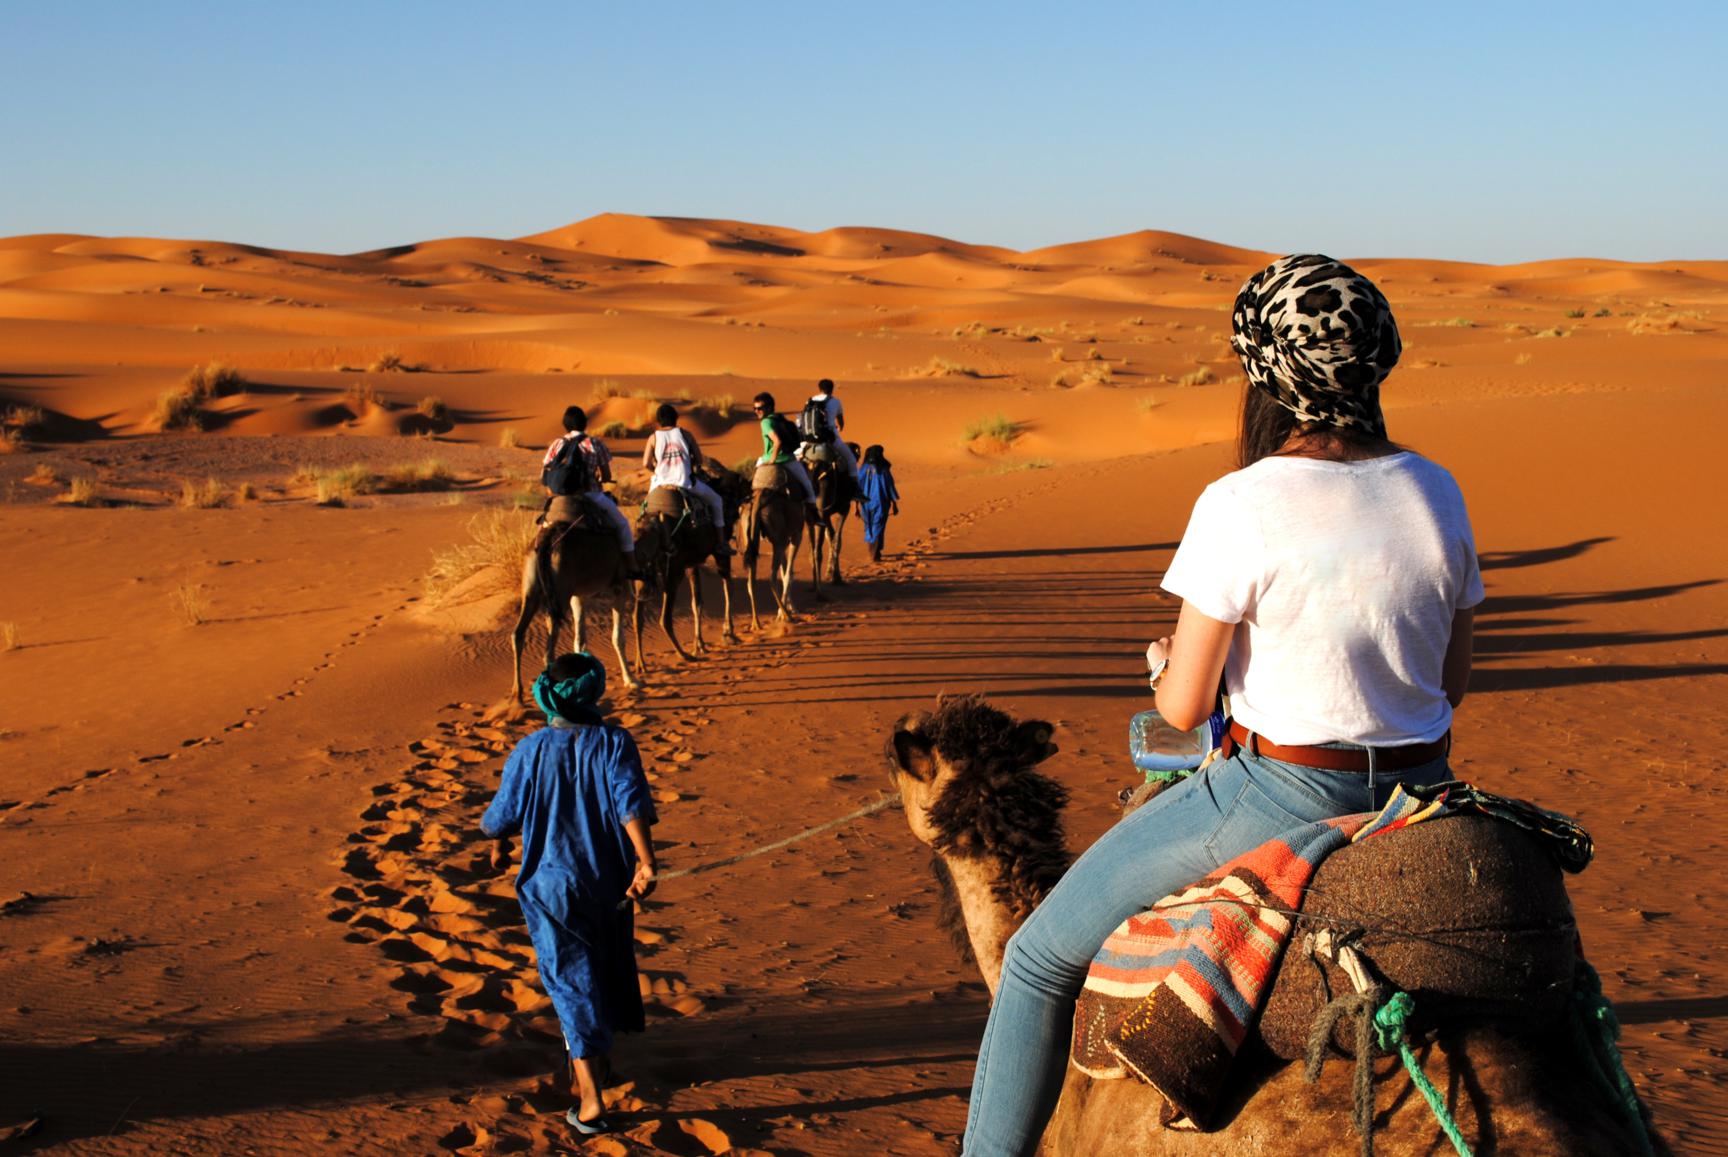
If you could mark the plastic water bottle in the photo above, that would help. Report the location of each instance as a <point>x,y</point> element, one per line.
<point>1156,746</point>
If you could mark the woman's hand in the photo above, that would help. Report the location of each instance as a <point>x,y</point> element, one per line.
<point>642,883</point>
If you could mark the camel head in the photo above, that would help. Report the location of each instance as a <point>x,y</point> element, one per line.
<point>968,778</point>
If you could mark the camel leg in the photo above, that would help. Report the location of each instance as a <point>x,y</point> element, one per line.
<point>725,573</point>
<point>530,607</point>
<point>834,552</point>
<point>669,593</point>
<point>785,559</point>
<point>695,608</point>
<point>579,623</point>
<point>791,566</point>
<point>618,645</point>
<point>818,531</point>
<point>751,556</point>
<point>636,629</point>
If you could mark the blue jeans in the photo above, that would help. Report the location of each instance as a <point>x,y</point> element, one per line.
<point>1232,807</point>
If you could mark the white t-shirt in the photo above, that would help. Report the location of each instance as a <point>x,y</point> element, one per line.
<point>831,403</point>
<point>1344,578</point>
<point>671,459</point>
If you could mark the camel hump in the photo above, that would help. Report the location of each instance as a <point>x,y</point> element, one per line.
<point>1466,913</point>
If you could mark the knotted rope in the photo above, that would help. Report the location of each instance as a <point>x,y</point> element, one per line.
<point>1595,1029</point>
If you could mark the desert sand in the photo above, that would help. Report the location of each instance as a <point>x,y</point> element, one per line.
<point>245,748</point>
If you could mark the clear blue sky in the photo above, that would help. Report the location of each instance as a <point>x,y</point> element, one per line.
<point>1495,132</point>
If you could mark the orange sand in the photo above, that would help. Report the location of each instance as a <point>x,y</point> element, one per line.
<point>260,922</point>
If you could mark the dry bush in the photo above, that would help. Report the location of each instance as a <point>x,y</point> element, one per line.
<point>1147,404</point>
<point>1135,321</point>
<point>80,492</point>
<point>433,409</point>
<point>722,404</point>
<point>1574,313</point>
<point>426,474</point>
<point>607,388</point>
<point>509,439</point>
<point>1094,354</point>
<point>213,380</point>
<point>43,475</point>
<point>1097,374</point>
<point>1200,377</point>
<point>245,492</point>
<point>362,394</point>
<point>206,495</point>
<point>614,429</point>
<point>497,540</point>
<point>191,602</point>
<point>1664,323</point>
<point>1603,312</point>
<point>1522,360</point>
<point>1554,332</point>
<point>25,420</point>
<point>391,362</point>
<point>1060,381</point>
<point>943,368</point>
<point>8,636</point>
<point>335,487</point>
<point>996,428</point>
<point>11,441</point>
<point>177,409</point>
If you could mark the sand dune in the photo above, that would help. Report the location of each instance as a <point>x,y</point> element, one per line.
<point>243,904</point>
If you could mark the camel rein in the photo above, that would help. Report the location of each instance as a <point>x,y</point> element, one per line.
<point>713,865</point>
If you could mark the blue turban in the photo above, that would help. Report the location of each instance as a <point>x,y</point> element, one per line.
<point>573,697</point>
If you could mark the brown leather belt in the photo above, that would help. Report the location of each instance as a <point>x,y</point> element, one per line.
<point>1338,758</point>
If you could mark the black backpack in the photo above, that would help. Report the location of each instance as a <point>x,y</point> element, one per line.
<point>790,436</point>
<point>569,473</point>
<point>813,422</point>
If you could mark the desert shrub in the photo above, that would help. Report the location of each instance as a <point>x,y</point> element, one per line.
<point>497,540</point>
<point>1018,467</point>
<point>178,409</point>
<point>943,368</point>
<point>508,438</point>
<point>1097,374</point>
<point>1522,360</point>
<point>1057,353</point>
<point>190,602</point>
<point>1603,312</point>
<point>1574,313</point>
<point>81,491</point>
<point>607,388</point>
<point>1661,323</point>
<point>8,636</point>
<point>362,394</point>
<point>614,429</point>
<point>996,428</point>
<point>43,475</point>
<point>334,487</point>
<point>212,380</point>
<point>245,492</point>
<point>1135,321</point>
<point>1060,381</point>
<point>426,474</point>
<point>391,362</point>
<point>11,441</point>
<point>1554,332</point>
<point>1200,377</point>
<point>433,409</point>
<point>25,420</point>
<point>722,404</point>
<point>1094,354</point>
<point>1147,404</point>
<point>205,495</point>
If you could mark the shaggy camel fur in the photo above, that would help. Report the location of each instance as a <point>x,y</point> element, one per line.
<point>578,565</point>
<point>993,822</point>
<point>778,517</point>
<point>835,494</point>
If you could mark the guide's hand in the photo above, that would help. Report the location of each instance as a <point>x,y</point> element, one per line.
<point>643,882</point>
<point>500,856</point>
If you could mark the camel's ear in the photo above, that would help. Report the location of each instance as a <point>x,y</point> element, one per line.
<point>914,754</point>
<point>1033,737</point>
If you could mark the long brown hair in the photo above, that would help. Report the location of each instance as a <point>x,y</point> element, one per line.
<point>1267,426</point>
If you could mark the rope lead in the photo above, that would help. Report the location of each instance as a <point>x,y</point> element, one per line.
<point>1390,1032</point>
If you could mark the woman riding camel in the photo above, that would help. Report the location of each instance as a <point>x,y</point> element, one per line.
<point>1330,582</point>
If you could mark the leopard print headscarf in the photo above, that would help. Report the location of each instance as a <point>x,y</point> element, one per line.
<point>1318,337</point>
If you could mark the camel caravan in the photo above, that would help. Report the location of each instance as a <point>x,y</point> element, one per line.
<point>585,549</point>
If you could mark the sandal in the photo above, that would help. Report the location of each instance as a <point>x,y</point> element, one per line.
<point>588,1128</point>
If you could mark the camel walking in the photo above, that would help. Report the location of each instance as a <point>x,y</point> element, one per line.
<point>580,562</point>
<point>673,539</point>
<point>835,494</point>
<point>778,516</point>
<point>1510,1071</point>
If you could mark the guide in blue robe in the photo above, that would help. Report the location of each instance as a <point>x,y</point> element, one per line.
<point>570,789</point>
<point>877,495</point>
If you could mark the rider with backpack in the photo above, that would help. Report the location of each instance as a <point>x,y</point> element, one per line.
<point>780,442</point>
<point>575,467</point>
<point>821,422</point>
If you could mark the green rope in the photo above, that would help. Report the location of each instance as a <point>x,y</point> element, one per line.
<point>1390,1032</point>
<point>1591,1010</point>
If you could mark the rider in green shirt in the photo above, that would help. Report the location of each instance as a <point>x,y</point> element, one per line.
<point>774,452</point>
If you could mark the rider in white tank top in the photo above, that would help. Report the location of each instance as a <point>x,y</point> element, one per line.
<point>671,459</point>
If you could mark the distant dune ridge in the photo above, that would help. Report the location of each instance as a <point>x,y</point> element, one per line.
<point>695,307</point>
